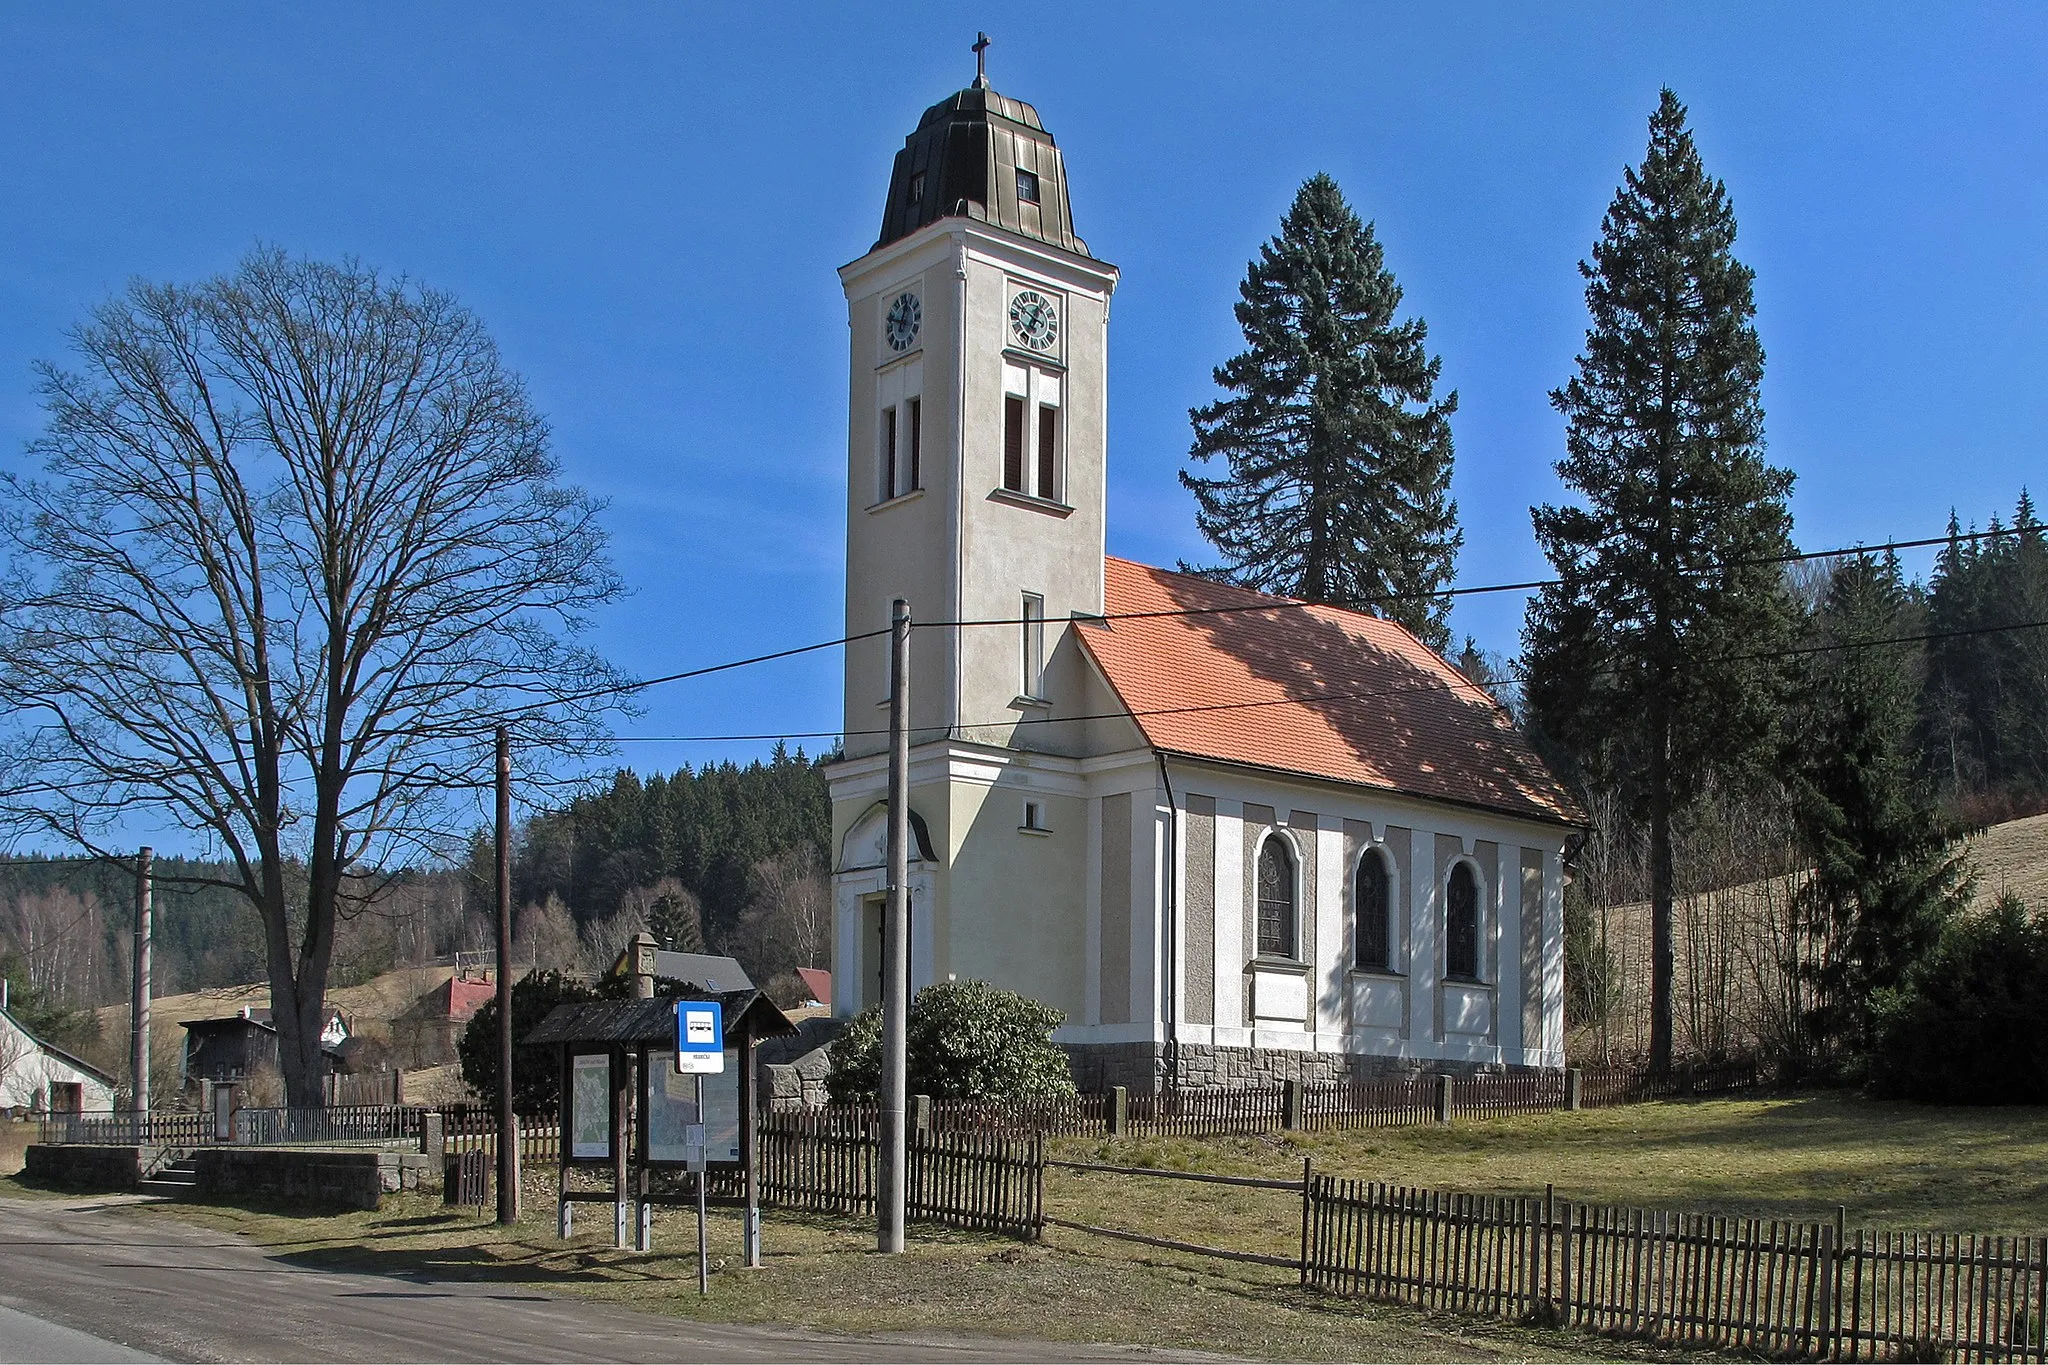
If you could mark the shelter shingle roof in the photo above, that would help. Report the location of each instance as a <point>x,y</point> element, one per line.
<point>1313,690</point>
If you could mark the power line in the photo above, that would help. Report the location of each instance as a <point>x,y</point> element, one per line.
<point>1457,682</point>
<point>1530,585</point>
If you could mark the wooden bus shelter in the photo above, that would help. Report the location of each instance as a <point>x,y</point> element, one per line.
<point>625,1107</point>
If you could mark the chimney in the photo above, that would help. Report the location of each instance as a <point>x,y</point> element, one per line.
<point>641,953</point>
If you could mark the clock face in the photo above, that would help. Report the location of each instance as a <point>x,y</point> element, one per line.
<point>904,316</point>
<point>1034,320</point>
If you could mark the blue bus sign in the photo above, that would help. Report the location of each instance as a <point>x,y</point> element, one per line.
<point>700,1037</point>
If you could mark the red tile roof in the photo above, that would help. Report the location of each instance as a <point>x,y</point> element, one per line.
<point>1318,691</point>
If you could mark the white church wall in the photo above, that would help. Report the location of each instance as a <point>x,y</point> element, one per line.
<point>1414,1012</point>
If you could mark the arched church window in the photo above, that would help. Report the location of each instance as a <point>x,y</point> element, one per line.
<point>1276,899</point>
<point>1461,924</point>
<point>1374,913</point>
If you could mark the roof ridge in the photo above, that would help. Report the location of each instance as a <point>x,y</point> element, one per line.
<point>1281,599</point>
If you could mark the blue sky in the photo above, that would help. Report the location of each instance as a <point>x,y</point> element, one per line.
<point>646,204</point>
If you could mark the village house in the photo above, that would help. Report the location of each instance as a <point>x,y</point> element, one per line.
<point>37,1077</point>
<point>1233,837</point>
<point>243,1045</point>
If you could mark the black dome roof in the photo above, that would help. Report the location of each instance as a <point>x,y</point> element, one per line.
<point>963,162</point>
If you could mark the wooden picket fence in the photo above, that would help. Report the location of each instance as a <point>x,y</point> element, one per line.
<point>470,1129</point>
<point>1786,1289</point>
<point>827,1163</point>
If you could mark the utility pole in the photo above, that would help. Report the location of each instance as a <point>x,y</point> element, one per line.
<point>138,1010</point>
<point>508,1128</point>
<point>896,942</point>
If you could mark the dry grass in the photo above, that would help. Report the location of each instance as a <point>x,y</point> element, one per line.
<point>371,1005</point>
<point>15,1136</point>
<point>825,1274</point>
<point>2013,857</point>
<point>1892,1166</point>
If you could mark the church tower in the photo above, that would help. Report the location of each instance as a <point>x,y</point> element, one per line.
<point>977,398</point>
<point>976,428</point>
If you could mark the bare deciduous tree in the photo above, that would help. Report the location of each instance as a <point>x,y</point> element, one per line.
<point>297,546</point>
<point>788,922</point>
<point>60,936</point>
<point>545,937</point>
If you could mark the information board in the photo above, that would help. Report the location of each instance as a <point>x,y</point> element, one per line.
<point>590,1107</point>
<point>672,1108</point>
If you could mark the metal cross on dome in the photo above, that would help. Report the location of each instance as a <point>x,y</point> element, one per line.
<point>980,50</point>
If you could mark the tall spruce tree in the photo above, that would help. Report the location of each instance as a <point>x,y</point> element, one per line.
<point>1888,874</point>
<point>1338,450</point>
<point>1650,658</point>
<point>1984,710</point>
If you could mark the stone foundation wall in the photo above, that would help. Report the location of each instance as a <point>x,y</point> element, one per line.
<point>79,1166</point>
<point>1144,1068</point>
<point>340,1177</point>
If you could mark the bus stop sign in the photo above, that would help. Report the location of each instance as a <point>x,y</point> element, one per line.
<point>700,1037</point>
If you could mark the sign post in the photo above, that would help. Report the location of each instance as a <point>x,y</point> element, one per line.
<point>700,1052</point>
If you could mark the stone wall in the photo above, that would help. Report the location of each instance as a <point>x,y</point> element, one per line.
<point>1144,1069</point>
<point>792,1070</point>
<point>350,1178</point>
<point>80,1166</point>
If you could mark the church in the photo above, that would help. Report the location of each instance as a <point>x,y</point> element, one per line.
<point>1235,838</point>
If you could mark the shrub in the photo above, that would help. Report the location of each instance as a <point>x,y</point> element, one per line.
<point>1967,1027</point>
<point>967,1040</point>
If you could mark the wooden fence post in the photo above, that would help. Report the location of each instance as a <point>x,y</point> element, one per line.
<point>1445,1085</point>
<point>1574,1089</point>
<point>1307,1186</point>
<point>1119,1111</point>
<point>1290,1105</point>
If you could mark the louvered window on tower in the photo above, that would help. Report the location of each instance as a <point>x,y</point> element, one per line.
<point>1013,443</point>
<point>1276,899</point>
<point>915,411</point>
<point>886,482</point>
<point>1048,452</point>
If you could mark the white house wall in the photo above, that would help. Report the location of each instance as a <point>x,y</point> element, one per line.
<point>27,1071</point>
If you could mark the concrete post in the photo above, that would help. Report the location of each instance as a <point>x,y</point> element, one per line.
<point>1290,1104</point>
<point>1445,1087</point>
<point>920,1113</point>
<point>138,1018</point>
<point>1574,1089</point>
<point>434,1136</point>
<point>1119,1111</point>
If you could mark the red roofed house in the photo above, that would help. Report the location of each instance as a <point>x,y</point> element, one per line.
<point>1233,837</point>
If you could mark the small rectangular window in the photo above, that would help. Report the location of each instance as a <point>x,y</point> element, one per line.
<point>888,454</point>
<point>1027,186</point>
<point>1013,443</point>
<point>1034,815</point>
<point>916,189</point>
<point>1048,452</point>
<point>1034,645</point>
<point>916,443</point>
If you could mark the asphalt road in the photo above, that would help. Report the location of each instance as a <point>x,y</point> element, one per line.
<point>81,1281</point>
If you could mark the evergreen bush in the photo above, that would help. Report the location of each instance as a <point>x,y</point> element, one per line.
<point>1967,1026</point>
<point>967,1040</point>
